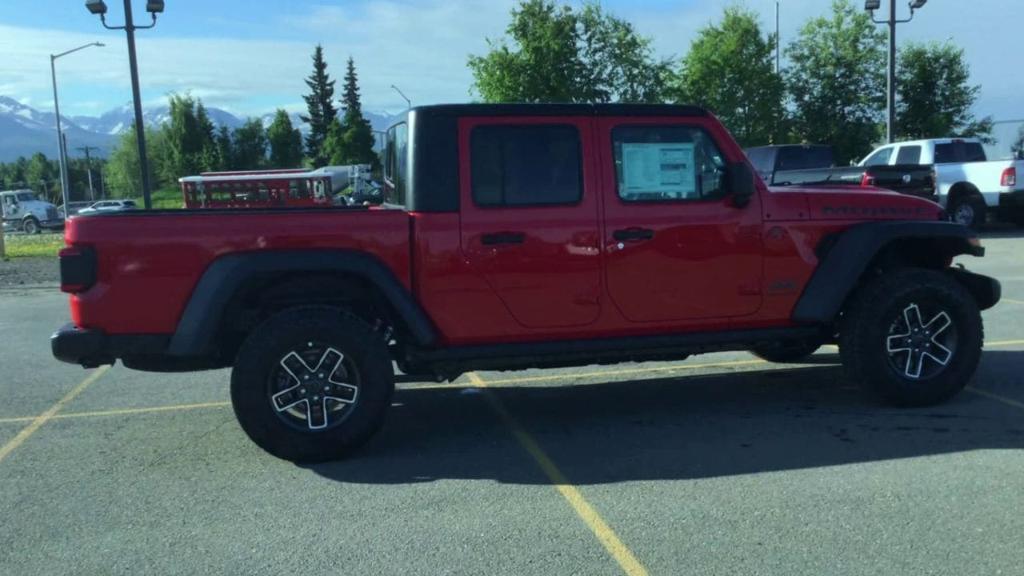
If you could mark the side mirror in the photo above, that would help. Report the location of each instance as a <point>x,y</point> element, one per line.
<point>741,183</point>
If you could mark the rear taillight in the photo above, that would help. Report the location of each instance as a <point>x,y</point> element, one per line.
<point>1009,177</point>
<point>867,180</point>
<point>77,269</point>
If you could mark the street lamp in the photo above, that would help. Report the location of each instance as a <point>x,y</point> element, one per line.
<point>154,7</point>
<point>61,155</point>
<point>871,6</point>
<point>402,94</point>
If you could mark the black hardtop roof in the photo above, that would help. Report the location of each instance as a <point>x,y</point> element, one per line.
<point>556,110</point>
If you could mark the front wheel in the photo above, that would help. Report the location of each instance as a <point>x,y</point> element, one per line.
<point>31,226</point>
<point>312,384</point>
<point>912,337</point>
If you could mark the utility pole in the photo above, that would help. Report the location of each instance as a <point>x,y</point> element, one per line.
<point>778,41</point>
<point>88,169</point>
<point>154,7</point>
<point>891,22</point>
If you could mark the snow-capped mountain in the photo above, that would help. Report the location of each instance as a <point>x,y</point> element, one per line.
<point>25,130</point>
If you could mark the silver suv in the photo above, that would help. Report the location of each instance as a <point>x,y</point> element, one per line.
<point>22,210</point>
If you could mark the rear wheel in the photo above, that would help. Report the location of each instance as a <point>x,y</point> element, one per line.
<point>31,226</point>
<point>912,337</point>
<point>786,352</point>
<point>968,210</point>
<point>312,384</point>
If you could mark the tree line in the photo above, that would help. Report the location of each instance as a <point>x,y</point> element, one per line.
<point>832,91</point>
<point>190,143</point>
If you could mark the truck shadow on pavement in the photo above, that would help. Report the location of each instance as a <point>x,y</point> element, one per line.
<point>680,427</point>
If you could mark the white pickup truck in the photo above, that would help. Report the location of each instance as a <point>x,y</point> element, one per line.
<point>967,184</point>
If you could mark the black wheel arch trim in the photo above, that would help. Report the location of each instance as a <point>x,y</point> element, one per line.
<point>199,324</point>
<point>845,257</point>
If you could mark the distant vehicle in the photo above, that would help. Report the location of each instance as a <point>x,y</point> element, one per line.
<point>264,188</point>
<point>76,207</point>
<point>967,184</point>
<point>23,210</point>
<point>803,164</point>
<point>109,206</point>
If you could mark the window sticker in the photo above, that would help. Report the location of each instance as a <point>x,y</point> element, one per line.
<point>666,169</point>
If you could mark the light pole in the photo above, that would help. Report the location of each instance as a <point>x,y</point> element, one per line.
<point>871,6</point>
<point>402,94</point>
<point>154,7</point>
<point>61,156</point>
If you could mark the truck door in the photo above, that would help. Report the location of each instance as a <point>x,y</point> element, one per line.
<point>677,248</point>
<point>529,216</point>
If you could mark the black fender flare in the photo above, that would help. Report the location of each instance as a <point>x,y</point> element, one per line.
<point>198,326</point>
<point>844,258</point>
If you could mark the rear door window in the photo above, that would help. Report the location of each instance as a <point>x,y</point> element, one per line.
<point>909,155</point>
<point>526,165</point>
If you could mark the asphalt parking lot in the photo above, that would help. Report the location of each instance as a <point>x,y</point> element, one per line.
<point>721,464</point>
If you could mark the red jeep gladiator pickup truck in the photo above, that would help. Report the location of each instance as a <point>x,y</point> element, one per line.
<point>517,236</point>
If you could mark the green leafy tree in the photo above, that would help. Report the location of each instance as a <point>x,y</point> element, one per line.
<point>250,146</point>
<point>1018,144</point>
<point>209,158</point>
<point>43,176</point>
<point>935,96</point>
<point>285,142</point>
<point>836,81</point>
<point>351,140</point>
<point>555,54</point>
<point>730,70</point>
<point>186,139</point>
<point>320,107</point>
<point>123,174</point>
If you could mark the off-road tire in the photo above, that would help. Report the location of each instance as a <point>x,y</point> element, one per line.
<point>873,324</point>
<point>786,352</point>
<point>257,374</point>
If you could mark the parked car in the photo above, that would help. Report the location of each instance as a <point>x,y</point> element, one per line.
<point>802,165</point>
<point>23,210</point>
<point>967,184</point>
<point>76,207</point>
<point>520,236</point>
<point>109,206</point>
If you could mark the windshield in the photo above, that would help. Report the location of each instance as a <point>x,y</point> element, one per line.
<point>804,158</point>
<point>26,197</point>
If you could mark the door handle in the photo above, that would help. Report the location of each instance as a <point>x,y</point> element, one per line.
<point>633,234</point>
<point>497,238</point>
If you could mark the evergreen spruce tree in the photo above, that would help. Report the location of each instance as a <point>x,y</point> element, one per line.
<point>321,110</point>
<point>352,141</point>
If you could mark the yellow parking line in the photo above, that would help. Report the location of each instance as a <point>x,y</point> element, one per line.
<point>625,558</point>
<point>1012,301</point>
<point>1004,343</point>
<point>123,411</point>
<point>43,418</point>
<point>997,397</point>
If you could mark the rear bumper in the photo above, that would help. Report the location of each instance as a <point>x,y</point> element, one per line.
<point>1012,200</point>
<point>91,348</point>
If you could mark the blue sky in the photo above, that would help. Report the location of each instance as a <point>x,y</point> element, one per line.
<point>250,56</point>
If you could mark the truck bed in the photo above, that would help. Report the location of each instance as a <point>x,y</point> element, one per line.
<point>157,257</point>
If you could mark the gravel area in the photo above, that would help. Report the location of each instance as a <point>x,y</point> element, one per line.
<point>29,272</point>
